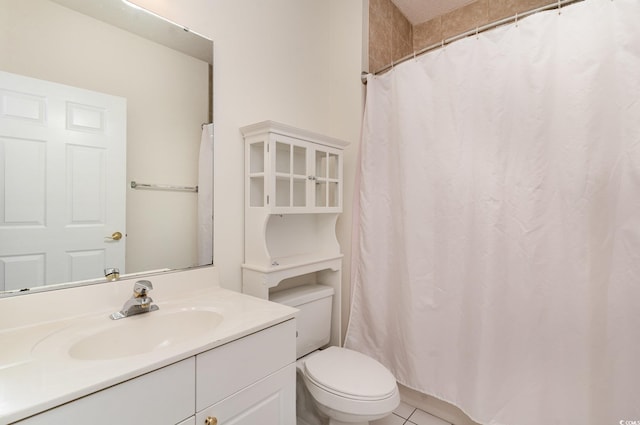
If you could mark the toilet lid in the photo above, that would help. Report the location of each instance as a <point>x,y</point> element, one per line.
<point>350,374</point>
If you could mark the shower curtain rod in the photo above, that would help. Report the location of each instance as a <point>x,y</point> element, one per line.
<point>556,5</point>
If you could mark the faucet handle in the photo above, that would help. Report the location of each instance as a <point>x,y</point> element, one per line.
<point>141,288</point>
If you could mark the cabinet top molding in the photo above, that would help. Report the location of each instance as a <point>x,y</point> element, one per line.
<point>287,130</point>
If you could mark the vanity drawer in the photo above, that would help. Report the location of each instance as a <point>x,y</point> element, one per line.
<point>229,368</point>
<point>164,396</point>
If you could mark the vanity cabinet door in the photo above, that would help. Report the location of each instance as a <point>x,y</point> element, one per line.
<point>270,401</point>
<point>189,421</point>
<point>162,397</point>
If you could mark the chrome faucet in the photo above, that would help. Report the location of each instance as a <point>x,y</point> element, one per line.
<point>139,303</point>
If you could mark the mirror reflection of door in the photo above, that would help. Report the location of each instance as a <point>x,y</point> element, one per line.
<point>59,139</point>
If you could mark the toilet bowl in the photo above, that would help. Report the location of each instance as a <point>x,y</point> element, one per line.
<point>346,386</point>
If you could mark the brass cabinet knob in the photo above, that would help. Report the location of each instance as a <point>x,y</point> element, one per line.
<point>211,420</point>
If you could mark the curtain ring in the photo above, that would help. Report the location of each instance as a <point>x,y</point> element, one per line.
<point>559,7</point>
<point>477,33</point>
<point>516,19</point>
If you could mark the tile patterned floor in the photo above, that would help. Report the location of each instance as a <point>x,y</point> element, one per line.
<point>409,415</point>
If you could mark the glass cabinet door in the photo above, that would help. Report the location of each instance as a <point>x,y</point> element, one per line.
<point>256,188</point>
<point>299,178</point>
<point>290,188</point>
<point>327,179</point>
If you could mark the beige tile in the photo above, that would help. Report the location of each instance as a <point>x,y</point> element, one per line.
<point>466,18</point>
<point>378,57</point>
<point>402,44</point>
<point>380,21</point>
<point>389,420</point>
<point>381,38</point>
<point>380,49</point>
<point>401,50</point>
<point>402,30</point>
<point>420,417</point>
<point>381,8</point>
<point>404,410</point>
<point>390,34</point>
<point>427,33</point>
<point>499,9</point>
<point>380,34</point>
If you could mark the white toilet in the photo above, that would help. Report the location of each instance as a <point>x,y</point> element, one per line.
<point>346,386</point>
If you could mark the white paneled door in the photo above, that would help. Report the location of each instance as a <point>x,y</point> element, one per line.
<point>62,182</point>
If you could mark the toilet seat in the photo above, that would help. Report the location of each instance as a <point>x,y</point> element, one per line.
<point>350,375</point>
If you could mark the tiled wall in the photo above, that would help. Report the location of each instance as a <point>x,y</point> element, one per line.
<point>388,31</point>
<point>390,34</point>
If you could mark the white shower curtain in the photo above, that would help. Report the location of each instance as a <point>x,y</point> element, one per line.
<point>497,243</point>
<point>205,197</point>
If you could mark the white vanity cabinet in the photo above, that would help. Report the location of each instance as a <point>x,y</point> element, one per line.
<point>247,381</point>
<point>293,197</point>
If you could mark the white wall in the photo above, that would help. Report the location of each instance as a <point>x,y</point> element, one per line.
<point>293,61</point>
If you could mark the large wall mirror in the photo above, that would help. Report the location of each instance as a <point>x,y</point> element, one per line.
<point>96,95</point>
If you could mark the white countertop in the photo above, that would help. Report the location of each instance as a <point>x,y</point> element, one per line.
<point>36,371</point>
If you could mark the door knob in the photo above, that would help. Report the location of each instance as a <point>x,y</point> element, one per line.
<point>116,236</point>
<point>211,420</point>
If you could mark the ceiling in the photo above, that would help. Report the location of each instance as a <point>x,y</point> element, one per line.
<point>418,11</point>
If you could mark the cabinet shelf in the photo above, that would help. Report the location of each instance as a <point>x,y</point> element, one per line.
<point>308,261</point>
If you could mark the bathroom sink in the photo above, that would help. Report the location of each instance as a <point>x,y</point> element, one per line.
<point>144,333</point>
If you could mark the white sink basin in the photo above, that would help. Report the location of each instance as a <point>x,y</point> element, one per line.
<point>144,333</point>
<point>105,339</point>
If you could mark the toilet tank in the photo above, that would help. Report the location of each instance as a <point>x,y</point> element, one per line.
<point>313,322</point>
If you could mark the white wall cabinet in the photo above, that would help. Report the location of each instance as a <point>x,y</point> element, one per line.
<point>237,383</point>
<point>293,197</point>
<point>291,170</point>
